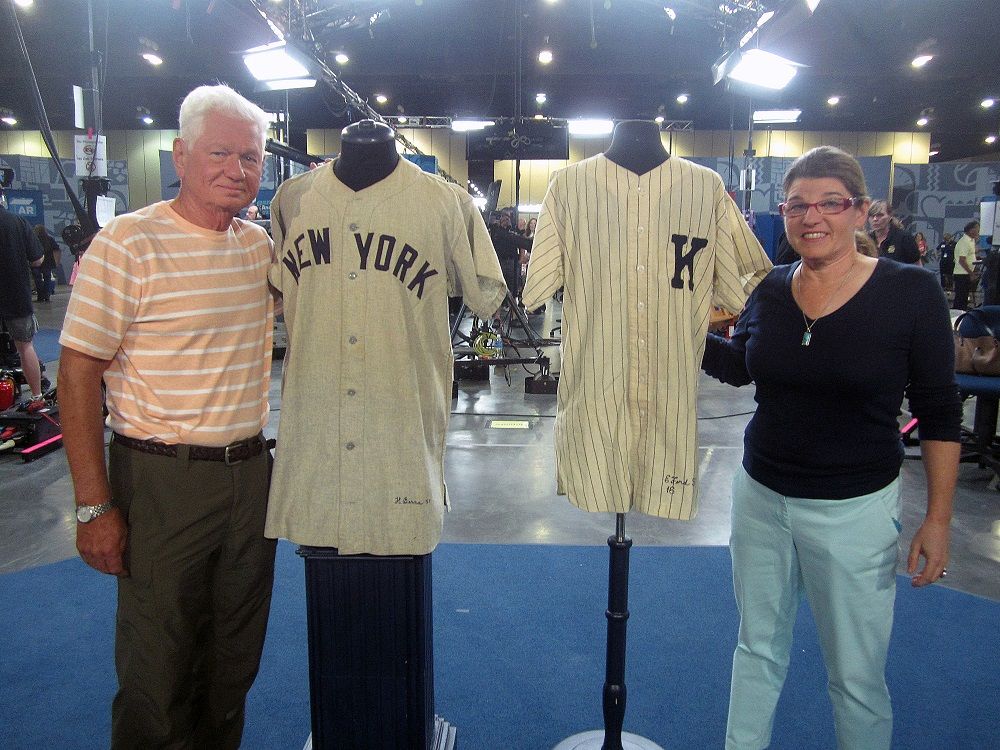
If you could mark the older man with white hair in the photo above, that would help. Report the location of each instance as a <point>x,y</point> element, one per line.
<point>172,310</point>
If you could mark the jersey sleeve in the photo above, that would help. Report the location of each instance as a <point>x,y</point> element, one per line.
<point>545,266</point>
<point>474,270</point>
<point>740,261</point>
<point>105,296</point>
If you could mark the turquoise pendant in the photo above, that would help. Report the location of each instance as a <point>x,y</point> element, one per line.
<point>806,338</point>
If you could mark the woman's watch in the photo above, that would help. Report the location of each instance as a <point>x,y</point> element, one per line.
<point>87,513</point>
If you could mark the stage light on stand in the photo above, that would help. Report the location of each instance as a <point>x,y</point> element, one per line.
<point>464,126</point>
<point>774,116</point>
<point>756,68</point>
<point>590,128</point>
<point>273,62</point>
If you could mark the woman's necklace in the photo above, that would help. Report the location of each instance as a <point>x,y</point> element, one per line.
<point>808,334</point>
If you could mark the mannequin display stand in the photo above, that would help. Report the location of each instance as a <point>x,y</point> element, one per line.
<point>371,658</point>
<point>612,737</point>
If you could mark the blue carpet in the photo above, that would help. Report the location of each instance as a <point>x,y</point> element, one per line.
<point>519,655</point>
<point>46,343</point>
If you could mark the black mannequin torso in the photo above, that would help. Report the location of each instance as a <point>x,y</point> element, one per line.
<point>367,154</point>
<point>636,145</point>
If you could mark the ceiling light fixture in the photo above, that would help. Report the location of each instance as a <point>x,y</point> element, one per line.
<point>659,119</point>
<point>671,13</point>
<point>341,58</point>
<point>142,113</point>
<point>991,138</point>
<point>812,5</point>
<point>933,152</point>
<point>921,60</point>
<point>7,117</point>
<point>833,101</point>
<point>590,128</point>
<point>682,98</point>
<point>987,103</point>
<point>922,122</point>
<point>772,116</point>
<point>756,68</point>
<point>545,56</point>
<point>464,126</point>
<point>541,98</point>
<point>24,3</point>
<point>150,51</point>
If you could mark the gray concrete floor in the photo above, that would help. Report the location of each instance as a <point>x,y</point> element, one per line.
<point>501,482</point>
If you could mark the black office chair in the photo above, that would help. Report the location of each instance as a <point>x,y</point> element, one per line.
<point>980,445</point>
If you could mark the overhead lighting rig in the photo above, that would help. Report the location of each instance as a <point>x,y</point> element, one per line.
<point>303,26</point>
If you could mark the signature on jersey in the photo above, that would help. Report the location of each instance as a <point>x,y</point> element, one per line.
<point>673,480</point>
<point>411,501</point>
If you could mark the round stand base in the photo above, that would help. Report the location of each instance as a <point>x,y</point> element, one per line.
<point>594,740</point>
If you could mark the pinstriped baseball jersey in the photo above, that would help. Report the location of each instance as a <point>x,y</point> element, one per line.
<point>641,260</point>
<point>365,278</point>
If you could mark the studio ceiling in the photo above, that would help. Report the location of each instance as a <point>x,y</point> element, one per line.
<point>613,58</point>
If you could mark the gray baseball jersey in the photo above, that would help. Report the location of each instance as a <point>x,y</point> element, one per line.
<point>642,259</point>
<point>366,396</point>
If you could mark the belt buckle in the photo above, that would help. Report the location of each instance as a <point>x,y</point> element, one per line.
<point>230,462</point>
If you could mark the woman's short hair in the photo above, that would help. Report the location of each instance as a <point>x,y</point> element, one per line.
<point>828,161</point>
<point>220,98</point>
<point>880,206</point>
<point>865,244</point>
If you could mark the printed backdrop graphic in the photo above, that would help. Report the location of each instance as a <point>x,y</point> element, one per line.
<point>38,174</point>
<point>767,192</point>
<point>939,199</point>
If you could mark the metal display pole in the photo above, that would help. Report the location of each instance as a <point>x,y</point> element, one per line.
<point>612,737</point>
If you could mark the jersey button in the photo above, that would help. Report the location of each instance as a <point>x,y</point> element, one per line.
<point>353,227</point>
<point>351,392</point>
<point>353,340</point>
<point>349,446</point>
<point>642,306</point>
<point>640,269</point>
<point>352,275</point>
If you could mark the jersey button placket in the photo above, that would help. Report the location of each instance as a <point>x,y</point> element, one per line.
<point>642,311</point>
<point>352,416</point>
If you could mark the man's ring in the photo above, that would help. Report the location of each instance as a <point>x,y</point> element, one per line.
<point>944,572</point>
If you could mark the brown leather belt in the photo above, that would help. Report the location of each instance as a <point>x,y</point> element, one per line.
<point>228,454</point>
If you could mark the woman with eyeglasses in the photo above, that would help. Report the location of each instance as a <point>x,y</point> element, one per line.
<point>833,343</point>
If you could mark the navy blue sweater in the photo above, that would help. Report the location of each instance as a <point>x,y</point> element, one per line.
<point>826,422</point>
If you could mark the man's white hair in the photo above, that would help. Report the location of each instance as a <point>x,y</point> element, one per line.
<point>221,98</point>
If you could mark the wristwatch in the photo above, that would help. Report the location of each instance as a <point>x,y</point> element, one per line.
<point>87,513</point>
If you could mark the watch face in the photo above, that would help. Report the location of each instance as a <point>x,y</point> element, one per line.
<point>84,513</point>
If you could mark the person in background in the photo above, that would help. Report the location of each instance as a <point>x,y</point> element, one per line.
<point>946,261</point>
<point>508,245</point>
<point>816,505</point>
<point>19,254</point>
<point>921,246</point>
<point>965,259</point>
<point>44,272</point>
<point>253,212</point>
<point>893,241</point>
<point>530,229</point>
<point>172,309</point>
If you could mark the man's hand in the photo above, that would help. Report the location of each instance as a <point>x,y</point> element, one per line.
<point>101,543</point>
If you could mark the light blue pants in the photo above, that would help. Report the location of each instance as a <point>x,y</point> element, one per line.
<point>842,555</point>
